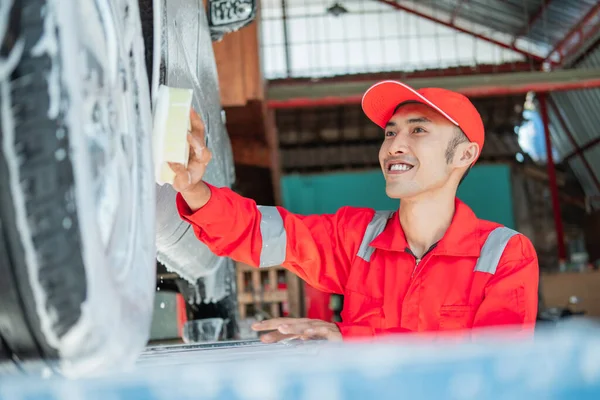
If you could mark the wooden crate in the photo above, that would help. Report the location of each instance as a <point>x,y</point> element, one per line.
<point>271,290</point>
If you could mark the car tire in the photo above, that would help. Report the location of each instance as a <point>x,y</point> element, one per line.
<point>77,193</point>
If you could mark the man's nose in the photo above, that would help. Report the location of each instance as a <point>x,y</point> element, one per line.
<point>399,145</point>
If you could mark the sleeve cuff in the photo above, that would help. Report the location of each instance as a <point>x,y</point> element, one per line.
<point>350,331</point>
<point>208,213</point>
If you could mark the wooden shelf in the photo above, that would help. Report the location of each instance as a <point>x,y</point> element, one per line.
<point>274,291</point>
<point>266,297</point>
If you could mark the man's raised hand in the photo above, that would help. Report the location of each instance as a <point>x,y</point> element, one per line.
<point>188,179</point>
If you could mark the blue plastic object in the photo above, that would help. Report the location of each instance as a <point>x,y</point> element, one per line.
<point>562,363</point>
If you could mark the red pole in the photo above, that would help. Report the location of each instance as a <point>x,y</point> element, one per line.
<point>181,313</point>
<point>560,237</point>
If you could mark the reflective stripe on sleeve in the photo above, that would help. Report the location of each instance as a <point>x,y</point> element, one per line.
<point>274,238</point>
<point>493,248</point>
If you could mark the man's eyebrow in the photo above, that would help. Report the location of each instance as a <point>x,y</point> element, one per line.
<point>419,120</point>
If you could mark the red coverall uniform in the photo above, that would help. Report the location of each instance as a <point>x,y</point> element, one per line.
<point>479,274</point>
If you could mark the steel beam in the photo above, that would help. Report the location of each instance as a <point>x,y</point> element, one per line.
<point>592,143</point>
<point>586,28</point>
<point>480,69</point>
<point>340,93</point>
<point>456,10</point>
<point>558,225</point>
<point>532,20</point>
<point>504,45</point>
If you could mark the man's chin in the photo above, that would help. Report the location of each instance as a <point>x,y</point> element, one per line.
<point>400,193</point>
<point>394,193</point>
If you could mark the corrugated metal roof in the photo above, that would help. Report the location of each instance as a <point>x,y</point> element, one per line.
<point>543,22</point>
<point>579,113</point>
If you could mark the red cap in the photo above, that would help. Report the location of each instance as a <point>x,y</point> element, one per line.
<point>381,100</point>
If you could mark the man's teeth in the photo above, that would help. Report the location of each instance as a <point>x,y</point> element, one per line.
<point>400,167</point>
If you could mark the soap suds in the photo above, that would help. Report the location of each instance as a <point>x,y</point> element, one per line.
<point>48,45</point>
<point>115,317</point>
<point>8,65</point>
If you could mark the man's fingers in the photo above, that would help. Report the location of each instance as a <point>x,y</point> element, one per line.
<point>197,139</point>
<point>274,337</point>
<point>320,331</point>
<point>192,144</point>
<point>302,328</point>
<point>177,168</point>
<point>273,324</point>
<point>195,120</point>
<point>198,151</point>
<point>299,328</point>
<point>197,125</point>
<point>196,148</point>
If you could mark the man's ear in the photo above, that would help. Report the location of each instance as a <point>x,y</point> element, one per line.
<point>468,152</point>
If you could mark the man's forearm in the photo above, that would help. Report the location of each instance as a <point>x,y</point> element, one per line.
<point>197,196</point>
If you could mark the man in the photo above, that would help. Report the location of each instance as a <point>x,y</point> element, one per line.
<point>430,266</point>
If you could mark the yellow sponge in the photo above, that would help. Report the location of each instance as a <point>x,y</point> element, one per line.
<point>171,126</point>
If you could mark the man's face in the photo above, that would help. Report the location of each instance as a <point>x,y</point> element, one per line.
<point>413,155</point>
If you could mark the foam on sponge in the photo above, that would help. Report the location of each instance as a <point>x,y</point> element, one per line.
<point>171,126</point>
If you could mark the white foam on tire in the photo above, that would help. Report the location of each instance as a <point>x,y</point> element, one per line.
<point>115,318</point>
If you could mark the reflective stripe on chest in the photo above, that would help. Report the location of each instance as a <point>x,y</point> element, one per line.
<point>489,257</point>
<point>375,227</point>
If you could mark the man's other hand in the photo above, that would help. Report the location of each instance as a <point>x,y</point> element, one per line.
<point>300,328</point>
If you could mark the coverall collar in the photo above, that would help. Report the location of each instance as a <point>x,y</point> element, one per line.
<point>461,238</point>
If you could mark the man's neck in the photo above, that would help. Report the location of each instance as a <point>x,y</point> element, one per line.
<point>426,219</point>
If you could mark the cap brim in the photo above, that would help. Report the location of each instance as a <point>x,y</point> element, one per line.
<point>381,100</point>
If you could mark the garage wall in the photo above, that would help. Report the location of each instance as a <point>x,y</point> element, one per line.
<point>487,190</point>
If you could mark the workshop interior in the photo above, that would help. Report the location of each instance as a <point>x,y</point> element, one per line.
<point>105,292</point>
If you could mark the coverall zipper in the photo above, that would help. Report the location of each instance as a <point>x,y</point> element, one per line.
<point>414,272</point>
<point>417,259</point>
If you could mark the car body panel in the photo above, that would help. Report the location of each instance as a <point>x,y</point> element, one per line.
<point>187,61</point>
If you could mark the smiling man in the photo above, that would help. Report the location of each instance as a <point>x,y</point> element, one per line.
<point>431,265</point>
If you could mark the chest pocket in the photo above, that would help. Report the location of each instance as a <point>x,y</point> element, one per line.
<point>361,308</point>
<point>457,317</point>
<point>453,316</point>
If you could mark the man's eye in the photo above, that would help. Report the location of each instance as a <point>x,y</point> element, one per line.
<point>418,130</point>
<point>390,134</point>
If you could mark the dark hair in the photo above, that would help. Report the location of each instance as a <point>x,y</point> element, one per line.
<point>408,102</point>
